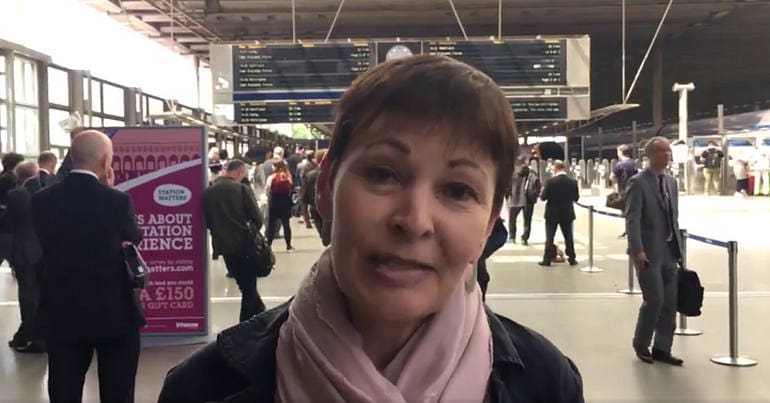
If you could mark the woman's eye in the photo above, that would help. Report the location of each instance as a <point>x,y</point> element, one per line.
<point>460,192</point>
<point>381,175</point>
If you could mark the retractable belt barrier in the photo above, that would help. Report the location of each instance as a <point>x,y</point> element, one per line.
<point>732,359</point>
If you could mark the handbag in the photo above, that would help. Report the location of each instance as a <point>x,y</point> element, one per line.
<point>689,293</point>
<point>138,273</point>
<point>616,201</point>
<point>255,246</point>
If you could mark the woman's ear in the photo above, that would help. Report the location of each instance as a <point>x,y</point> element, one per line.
<point>323,190</point>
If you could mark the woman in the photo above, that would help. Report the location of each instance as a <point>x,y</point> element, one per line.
<point>391,311</point>
<point>279,187</point>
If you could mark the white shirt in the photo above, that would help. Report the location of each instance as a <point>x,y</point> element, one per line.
<point>84,172</point>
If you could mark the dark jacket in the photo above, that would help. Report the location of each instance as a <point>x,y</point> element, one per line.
<point>227,206</point>
<point>47,179</point>
<point>560,192</point>
<point>25,246</point>
<point>240,366</point>
<point>7,183</point>
<point>86,294</point>
<point>65,167</point>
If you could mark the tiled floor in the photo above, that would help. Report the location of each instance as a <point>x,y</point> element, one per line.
<point>580,312</point>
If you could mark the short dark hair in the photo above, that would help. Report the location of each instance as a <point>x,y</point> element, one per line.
<point>223,154</point>
<point>10,161</point>
<point>235,164</point>
<point>625,150</point>
<point>430,91</point>
<point>46,157</point>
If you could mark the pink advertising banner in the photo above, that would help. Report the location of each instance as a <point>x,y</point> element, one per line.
<point>163,170</point>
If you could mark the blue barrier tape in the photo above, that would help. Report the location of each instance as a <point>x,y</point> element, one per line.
<point>709,241</point>
<point>607,213</point>
<point>714,242</point>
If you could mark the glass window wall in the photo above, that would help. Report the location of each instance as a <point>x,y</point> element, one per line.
<point>114,100</point>
<point>57,135</point>
<point>26,131</point>
<point>3,89</point>
<point>58,87</point>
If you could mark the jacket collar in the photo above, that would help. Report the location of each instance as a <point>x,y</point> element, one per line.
<point>504,350</point>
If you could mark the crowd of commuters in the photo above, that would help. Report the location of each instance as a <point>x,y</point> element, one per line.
<point>405,268</point>
<point>67,232</point>
<point>398,277</point>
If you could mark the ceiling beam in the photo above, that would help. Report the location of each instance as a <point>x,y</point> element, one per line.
<point>155,18</point>
<point>132,5</point>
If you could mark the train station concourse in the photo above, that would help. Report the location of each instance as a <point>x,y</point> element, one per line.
<point>178,176</point>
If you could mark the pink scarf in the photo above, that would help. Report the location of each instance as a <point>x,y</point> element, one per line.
<point>320,357</point>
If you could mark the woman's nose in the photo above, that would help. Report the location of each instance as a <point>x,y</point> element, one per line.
<point>414,214</point>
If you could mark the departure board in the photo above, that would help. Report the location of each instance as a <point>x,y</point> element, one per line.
<point>539,109</point>
<point>509,63</point>
<point>289,67</point>
<point>284,112</point>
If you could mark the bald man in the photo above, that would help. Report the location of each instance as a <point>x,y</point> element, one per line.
<point>87,303</point>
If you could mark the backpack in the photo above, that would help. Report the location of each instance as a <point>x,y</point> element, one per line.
<point>690,293</point>
<point>713,159</point>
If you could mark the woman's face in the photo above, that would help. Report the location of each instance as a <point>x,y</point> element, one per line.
<point>410,216</point>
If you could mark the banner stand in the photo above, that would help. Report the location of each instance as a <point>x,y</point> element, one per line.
<point>165,171</point>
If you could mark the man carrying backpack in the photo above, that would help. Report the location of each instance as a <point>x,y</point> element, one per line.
<point>712,168</point>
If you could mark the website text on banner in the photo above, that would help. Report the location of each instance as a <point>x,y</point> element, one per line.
<point>163,171</point>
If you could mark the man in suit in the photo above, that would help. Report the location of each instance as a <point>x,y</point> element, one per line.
<point>8,182</point>
<point>87,303</point>
<point>26,257</point>
<point>654,246</point>
<point>227,206</point>
<point>560,193</point>
<point>47,163</point>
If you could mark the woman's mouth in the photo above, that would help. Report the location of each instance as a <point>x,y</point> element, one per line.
<point>399,272</point>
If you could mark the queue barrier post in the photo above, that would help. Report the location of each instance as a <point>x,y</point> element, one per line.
<point>733,359</point>
<point>591,268</point>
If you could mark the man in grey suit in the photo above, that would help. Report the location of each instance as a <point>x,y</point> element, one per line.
<point>654,245</point>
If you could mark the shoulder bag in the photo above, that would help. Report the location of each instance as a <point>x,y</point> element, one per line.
<point>255,246</point>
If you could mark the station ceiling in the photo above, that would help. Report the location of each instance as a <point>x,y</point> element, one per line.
<point>719,44</point>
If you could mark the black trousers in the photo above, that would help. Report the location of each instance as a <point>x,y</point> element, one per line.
<point>550,233</point>
<point>117,360</point>
<point>280,212</point>
<point>513,215</point>
<point>29,279</point>
<point>243,270</point>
